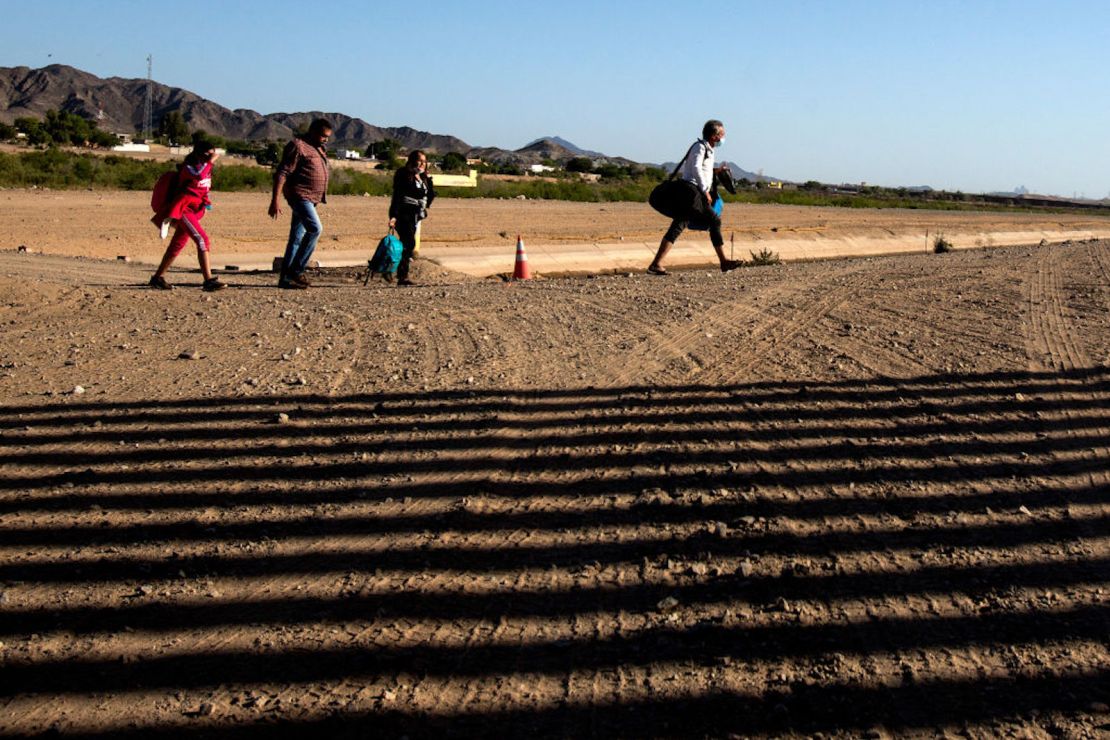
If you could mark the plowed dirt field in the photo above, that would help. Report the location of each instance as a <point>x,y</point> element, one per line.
<point>841,499</point>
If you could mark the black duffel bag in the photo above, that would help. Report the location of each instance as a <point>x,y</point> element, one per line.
<point>674,197</point>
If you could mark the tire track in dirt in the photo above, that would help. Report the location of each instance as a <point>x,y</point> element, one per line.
<point>681,338</point>
<point>62,270</point>
<point>438,346</point>
<point>31,303</point>
<point>957,329</point>
<point>723,319</point>
<point>1050,341</point>
<point>651,337</point>
<point>589,330</point>
<point>437,339</point>
<point>1050,344</point>
<point>866,351</point>
<point>460,346</point>
<point>304,340</point>
<point>441,344</point>
<point>1097,253</point>
<point>776,334</point>
<point>664,345</point>
<point>478,348</point>
<point>347,367</point>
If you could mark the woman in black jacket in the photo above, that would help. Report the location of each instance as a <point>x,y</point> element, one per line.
<point>412,196</point>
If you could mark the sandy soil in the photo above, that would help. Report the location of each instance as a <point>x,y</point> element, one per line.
<point>845,499</point>
<point>107,224</point>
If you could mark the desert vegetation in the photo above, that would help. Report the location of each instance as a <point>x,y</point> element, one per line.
<point>765,257</point>
<point>941,244</point>
<point>58,168</point>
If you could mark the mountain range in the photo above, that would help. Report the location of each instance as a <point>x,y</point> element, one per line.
<point>118,104</point>
<point>738,172</point>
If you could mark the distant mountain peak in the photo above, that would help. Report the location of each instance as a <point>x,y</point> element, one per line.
<point>573,149</point>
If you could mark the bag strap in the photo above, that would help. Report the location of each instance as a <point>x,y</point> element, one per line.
<point>682,161</point>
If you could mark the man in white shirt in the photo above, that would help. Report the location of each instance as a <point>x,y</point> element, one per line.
<point>698,168</point>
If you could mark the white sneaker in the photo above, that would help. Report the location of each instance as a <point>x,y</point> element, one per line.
<point>165,230</point>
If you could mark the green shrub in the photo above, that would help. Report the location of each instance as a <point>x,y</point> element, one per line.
<point>54,168</point>
<point>234,178</point>
<point>765,257</point>
<point>353,182</point>
<point>453,162</point>
<point>942,245</point>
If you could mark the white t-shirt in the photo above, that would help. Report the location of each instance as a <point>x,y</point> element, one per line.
<point>698,165</point>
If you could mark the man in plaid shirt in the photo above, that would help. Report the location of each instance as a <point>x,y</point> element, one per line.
<point>302,177</point>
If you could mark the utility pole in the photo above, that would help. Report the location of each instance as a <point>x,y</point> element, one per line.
<point>148,109</point>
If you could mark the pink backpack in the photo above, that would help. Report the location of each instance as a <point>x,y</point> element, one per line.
<point>163,191</point>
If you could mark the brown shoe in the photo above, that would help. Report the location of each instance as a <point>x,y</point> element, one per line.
<point>300,280</point>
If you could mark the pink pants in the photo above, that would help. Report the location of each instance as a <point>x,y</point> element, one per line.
<point>188,227</point>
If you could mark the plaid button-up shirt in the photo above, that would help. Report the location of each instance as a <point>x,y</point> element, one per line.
<point>306,171</point>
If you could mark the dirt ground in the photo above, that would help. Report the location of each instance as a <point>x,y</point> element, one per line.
<point>106,224</point>
<point>860,498</point>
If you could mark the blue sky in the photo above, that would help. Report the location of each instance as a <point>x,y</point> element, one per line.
<point>973,95</point>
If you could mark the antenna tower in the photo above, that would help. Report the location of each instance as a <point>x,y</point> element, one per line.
<point>148,109</point>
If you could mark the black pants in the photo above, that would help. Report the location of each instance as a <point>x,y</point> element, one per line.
<point>700,212</point>
<point>406,232</point>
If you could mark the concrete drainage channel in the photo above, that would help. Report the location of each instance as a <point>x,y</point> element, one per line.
<point>582,259</point>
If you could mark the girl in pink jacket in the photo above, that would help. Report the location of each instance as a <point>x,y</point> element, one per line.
<point>185,207</point>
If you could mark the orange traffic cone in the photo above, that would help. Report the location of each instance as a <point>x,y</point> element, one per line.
<point>520,270</point>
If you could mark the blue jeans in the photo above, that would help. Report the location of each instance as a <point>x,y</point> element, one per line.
<point>304,232</point>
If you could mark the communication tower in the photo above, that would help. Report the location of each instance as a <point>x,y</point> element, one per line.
<point>148,108</point>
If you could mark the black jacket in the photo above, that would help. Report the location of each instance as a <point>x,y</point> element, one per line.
<point>411,199</point>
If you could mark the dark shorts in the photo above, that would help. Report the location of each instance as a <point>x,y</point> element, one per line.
<point>702,214</point>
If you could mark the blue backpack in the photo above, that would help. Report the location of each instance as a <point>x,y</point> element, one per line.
<point>386,257</point>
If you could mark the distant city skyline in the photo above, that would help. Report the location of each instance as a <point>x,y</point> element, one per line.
<point>979,97</point>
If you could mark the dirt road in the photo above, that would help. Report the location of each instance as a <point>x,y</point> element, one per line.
<point>853,498</point>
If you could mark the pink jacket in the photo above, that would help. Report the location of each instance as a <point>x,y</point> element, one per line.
<point>189,194</point>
